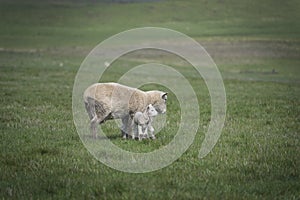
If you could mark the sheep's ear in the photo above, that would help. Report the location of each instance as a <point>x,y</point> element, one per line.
<point>164,96</point>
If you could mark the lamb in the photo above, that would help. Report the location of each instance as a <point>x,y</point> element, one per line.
<point>106,101</point>
<point>143,121</point>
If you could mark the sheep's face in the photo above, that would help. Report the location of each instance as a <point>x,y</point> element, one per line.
<point>151,111</point>
<point>160,105</point>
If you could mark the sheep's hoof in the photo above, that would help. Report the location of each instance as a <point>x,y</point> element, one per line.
<point>153,137</point>
<point>124,136</point>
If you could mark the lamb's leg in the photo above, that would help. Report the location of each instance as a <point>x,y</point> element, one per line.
<point>145,134</point>
<point>151,129</point>
<point>140,132</point>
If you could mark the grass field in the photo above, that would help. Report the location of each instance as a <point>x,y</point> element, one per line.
<point>256,46</point>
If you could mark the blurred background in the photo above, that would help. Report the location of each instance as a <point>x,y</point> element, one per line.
<point>255,44</point>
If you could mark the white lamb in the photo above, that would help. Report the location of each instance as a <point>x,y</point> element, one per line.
<point>143,122</point>
<point>105,101</point>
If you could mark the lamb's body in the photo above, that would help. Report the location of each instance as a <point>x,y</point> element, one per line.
<point>143,122</point>
<point>104,101</point>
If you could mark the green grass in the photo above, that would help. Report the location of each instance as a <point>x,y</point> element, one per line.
<point>37,24</point>
<point>42,45</point>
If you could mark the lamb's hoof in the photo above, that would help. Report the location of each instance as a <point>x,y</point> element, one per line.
<point>124,136</point>
<point>153,137</point>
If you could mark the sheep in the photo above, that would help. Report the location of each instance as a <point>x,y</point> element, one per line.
<point>143,121</point>
<point>106,101</point>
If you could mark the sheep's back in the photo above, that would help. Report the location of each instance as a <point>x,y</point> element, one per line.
<point>119,98</point>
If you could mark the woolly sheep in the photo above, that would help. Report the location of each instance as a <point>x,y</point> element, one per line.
<point>105,101</point>
<point>143,121</point>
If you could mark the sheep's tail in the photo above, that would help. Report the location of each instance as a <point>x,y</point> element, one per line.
<point>90,107</point>
<point>94,108</point>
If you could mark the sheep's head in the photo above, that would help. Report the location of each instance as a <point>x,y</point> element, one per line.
<point>159,100</point>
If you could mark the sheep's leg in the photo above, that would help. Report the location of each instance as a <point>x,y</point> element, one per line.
<point>97,114</point>
<point>127,127</point>
<point>90,110</point>
<point>130,125</point>
<point>135,131</point>
<point>94,122</point>
<point>124,127</point>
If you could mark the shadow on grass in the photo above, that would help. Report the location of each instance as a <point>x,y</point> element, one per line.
<point>109,137</point>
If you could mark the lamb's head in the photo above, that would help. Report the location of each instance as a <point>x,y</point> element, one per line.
<point>151,111</point>
<point>158,99</point>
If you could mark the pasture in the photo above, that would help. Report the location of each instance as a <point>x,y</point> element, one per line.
<point>256,46</point>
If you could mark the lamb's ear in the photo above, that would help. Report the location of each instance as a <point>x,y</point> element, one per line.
<point>164,96</point>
